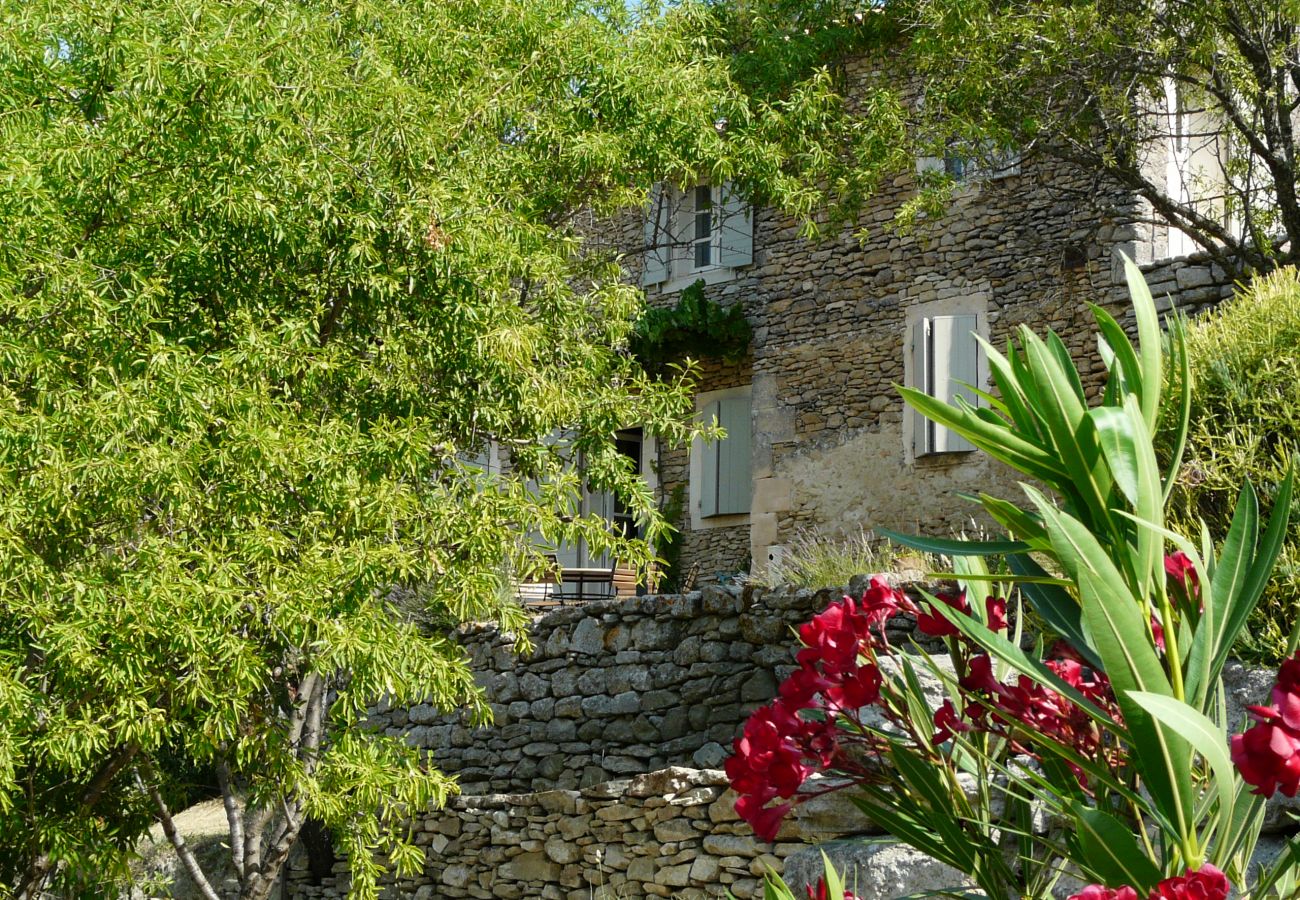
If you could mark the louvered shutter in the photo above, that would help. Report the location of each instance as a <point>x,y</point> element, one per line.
<point>657,239</point>
<point>954,355</point>
<point>736,238</point>
<point>922,378</point>
<point>708,496</point>
<point>734,480</point>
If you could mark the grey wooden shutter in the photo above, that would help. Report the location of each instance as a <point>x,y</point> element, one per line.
<point>955,366</point>
<point>734,479</point>
<point>736,239</point>
<point>922,379</point>
<point>708,496</point>
<point>657,239</point>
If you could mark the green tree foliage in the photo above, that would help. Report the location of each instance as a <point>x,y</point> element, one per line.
<point>272,276</point>
<point>1245,424</point>
<point>1088,83</point>
<point>1093,84</point>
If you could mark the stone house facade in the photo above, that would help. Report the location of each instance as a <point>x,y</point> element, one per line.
<point>820,440</point>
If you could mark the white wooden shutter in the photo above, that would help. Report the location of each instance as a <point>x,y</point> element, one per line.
<point>734,480</point>
<point>954,355</point>
<point>708,496</point>
<point>657,239</point>
<point>736,238</point>
<point>922,378</point>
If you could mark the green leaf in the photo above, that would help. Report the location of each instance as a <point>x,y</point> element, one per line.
<point>996,440</point>
<point>1110,850</point>
<point>1209,740</point>
<point>1148,343</point>
<point>1057,607</point>
<point>949,547</point>
<point>1116,624</point>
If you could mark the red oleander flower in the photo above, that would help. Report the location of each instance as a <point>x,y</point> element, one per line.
<point>834,637</point>
<point>947,723</point>
<point>880,602</point>
<point>1098,892</point>
<point>768,760</point>
<point>857,689</point>
<point>996,608</point>
<point>1182,574</point>
<point>1158,633</point>
<point>1207,883</point>
<point>1268,753</point>
<point>934,624</point>
<point>765,820</point>
<point>823,893</point>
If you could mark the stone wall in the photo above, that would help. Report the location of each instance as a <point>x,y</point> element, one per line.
<point>618,687</point>
<point>1192,284</point>
<point>671,833</point>
<point>636,685</point>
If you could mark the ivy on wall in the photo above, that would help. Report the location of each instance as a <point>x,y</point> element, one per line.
<point>696,327</point>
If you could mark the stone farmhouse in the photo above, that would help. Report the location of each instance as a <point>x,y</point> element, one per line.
<point>818,439</point>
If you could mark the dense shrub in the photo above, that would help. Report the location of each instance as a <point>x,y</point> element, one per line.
<point>1245,423</point>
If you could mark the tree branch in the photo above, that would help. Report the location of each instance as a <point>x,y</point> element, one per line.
<point>234,817</point>
<point>177,840</point>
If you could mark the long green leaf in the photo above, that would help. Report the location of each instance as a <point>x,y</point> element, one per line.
<point>1148,343</point>
<point>1220,596</point>
<point>1012,394</point>
<point>996,440</point>
<point>949,547</point>
<point>1259,570</point>
<point>1056,606</point>
<point>1125,370</point>
<point>1115,621</point>
<point>1209,741</point>
<point>1072,436</point>
<point>1111,851</point>
<point>1118,445</point>
<point>1182,365</point>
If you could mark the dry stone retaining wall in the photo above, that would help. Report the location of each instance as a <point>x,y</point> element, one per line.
<point>617,688</point>
<point>671,833</point>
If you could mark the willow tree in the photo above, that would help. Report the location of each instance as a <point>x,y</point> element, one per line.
<point>273,276</point>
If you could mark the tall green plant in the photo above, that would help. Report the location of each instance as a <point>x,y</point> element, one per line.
<point>1104,541</point>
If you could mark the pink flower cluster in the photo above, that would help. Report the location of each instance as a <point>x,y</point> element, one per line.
<point>1011,709</point>
<point>837,673</point>
<point>1268,753</point>
<point>1206,883</point>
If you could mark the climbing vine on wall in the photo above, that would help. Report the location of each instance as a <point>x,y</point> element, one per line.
<point>696,327</point>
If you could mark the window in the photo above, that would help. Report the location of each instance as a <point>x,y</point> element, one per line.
<point>632,443</point>
<point>721,481</point>
<point>964,163</point>
<point>946,362</point>
<point>704,232</point>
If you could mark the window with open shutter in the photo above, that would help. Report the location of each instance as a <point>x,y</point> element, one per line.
<point>657,238</point>
<point>946,365</point>
<point>726,483</point>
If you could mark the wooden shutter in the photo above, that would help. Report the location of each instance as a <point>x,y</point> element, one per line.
<point>954,355</point>
<point>922,378</point>
<point>736,239</point>
<point>708,496</point>
<point>735,483</point>
<point>657,239</point>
